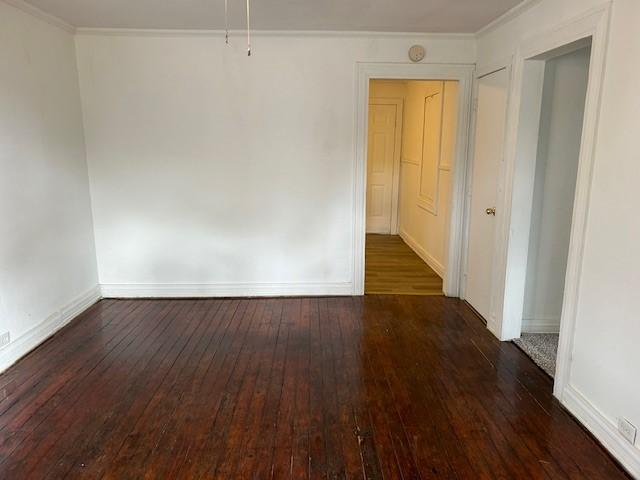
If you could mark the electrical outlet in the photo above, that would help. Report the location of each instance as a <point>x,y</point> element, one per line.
<point>628,430</point>
<point>5,338</point>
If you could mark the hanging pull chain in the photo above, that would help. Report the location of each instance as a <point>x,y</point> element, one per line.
<point>248,29</point>
<point>226,22</point>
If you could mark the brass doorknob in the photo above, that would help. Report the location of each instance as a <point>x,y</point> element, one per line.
<point>491,211</point>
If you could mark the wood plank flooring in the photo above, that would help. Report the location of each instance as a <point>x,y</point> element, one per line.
<point>391,267</point>
<point>376,387</point>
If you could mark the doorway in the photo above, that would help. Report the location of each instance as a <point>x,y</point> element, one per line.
<point>565,77</point>
<point>553,100</point>
<point>463,75</point>
<point>411,141</point>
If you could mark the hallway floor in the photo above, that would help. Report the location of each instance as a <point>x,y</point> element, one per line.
<point>392,267</point>
<point>294,388</point>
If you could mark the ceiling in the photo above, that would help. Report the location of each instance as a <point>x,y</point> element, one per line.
<point>443,16</point>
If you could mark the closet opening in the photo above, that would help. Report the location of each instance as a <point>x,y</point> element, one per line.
<point>554,96</point>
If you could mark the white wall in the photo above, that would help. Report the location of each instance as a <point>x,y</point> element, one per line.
<point>47,255</point>
<point>563,97</point>
<point>426,230</point>
<point>215,173</point>
<point>604,371</point>
<point>387,89</point>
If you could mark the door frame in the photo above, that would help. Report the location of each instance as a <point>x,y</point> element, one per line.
<point>511,235</point>
<point>395,176</point>
<point>424,71</point>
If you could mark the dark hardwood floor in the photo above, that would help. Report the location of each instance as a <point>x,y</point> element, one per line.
<point>393,387</point>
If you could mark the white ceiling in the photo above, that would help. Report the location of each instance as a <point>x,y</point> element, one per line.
<point>459,16</point>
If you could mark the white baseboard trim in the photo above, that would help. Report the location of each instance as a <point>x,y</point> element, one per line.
<point>22,345</point>
<point>541,325</point>
<point>422,253</point>
<point>603,429</point>
<point>115,290</point>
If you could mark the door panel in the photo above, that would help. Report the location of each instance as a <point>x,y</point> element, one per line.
<point>431,147</point>
<point>383,154</point>
<point>488,151</point>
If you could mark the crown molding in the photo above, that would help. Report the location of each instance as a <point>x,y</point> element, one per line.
<point>41,15</point>
<point>508,15</point>
<point>154,32</point>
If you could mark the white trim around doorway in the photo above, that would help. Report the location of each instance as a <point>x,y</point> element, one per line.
<point>399,71</point>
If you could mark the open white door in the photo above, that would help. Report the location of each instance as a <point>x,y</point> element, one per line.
<point>488,152</point>
<point>385,118</point>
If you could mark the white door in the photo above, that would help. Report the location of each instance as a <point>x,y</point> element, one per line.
<point>488,151</point>
<point>385,117</point>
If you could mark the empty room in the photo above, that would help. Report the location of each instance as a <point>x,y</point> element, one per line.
<point>341,239</point>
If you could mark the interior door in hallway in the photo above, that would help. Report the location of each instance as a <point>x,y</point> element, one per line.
<point>488,152</point>
<point>383,164</point>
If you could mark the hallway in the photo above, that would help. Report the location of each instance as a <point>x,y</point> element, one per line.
<point>391,267</point>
